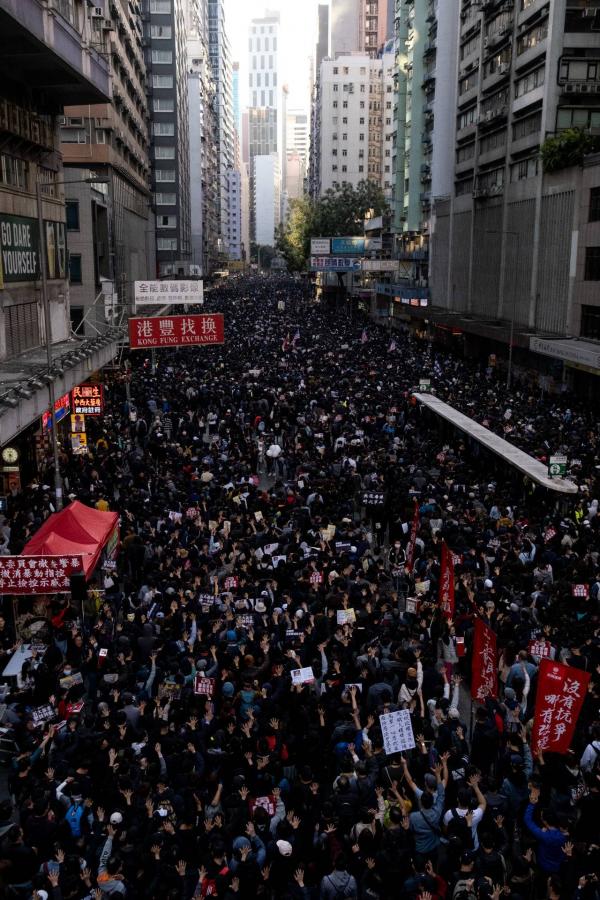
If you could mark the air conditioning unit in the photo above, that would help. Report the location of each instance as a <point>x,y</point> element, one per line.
<point>503,68</point>
<point>583,88</point>
<point>569,88</point>
<point>489,115</point>
<point>97,12</point>
<point>168,270</point>
<point>107,25</point>
<point>589,13</point>
<point>62,120</point>
<point>486,43</point>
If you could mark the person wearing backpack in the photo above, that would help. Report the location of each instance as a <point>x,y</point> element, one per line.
<point>452,818</point>
<point>340,884</point>
<point>425,822</point>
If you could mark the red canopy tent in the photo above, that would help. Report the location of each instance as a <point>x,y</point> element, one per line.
<point>77,529</point>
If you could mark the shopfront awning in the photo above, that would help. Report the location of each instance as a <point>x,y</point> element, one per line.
<point>77,529</point>
<point>583,353</point>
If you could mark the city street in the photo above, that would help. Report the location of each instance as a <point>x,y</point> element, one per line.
<point>278,664</point>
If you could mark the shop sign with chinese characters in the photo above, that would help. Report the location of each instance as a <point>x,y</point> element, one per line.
<point>38,574</point>
<point>61,409</point>
<point>168,293</point>
<point>176,331</point>
<point>88,400</point>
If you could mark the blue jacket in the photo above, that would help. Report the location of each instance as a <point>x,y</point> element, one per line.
<point>425,824</point>
<point>550,854</point>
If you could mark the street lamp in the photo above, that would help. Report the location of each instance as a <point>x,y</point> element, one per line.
<point>514,234</point>
<point>58,492</point>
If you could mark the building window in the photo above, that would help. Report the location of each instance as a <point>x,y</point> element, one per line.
<point>344,153</point>
<point>590,322</point>
<point>162,81</point>
<point>465,153</point>
<point>161,32</point>
<point>160,6</point>
<point>165,105</point>
<point>164,152</point>
<point>592,264</point>
<point>335,104</point>
<point>361,121</point>
<point>525,168</point>
<point>532,38</point>
<point>162,57</point>
<point>22,327</point>
<point>594,205</point>
<point>164,175</point>
<point>361,136</point>
<point>361,168</point>
<point>344,136</point>
<point>577,117</point>
<point>168,244</point>
<point>344,104</point>
<point>344,168</point>
<point>72,208</point>
<point>14,172</point>
<point>334,151</point>
<point>334,168</point>
<point>163,129</point>
<point>530,81</point>
<point>335,88</point>
<point>166,221</point>
<point>75,268</point>
<point>526,127</point>
<point>165,199</point>
<point>336,71</point>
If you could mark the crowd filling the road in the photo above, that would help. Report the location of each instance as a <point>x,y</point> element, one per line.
<point>218,733</point>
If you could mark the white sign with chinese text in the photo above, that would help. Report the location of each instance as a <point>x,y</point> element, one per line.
<point>397,731</point>
<point>168,293</point>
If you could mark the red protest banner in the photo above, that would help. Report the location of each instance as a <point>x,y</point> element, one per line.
<point>446,593</point>
<point>176,331</point>
<point>484,680</point>
<point>560,695</point>
<point>38,574</point>
<point>410,555</point>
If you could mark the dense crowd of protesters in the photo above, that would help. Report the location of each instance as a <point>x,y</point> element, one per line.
<point>264,488</point>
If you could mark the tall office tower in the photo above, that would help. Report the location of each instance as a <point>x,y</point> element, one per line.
<point>356,128</point>
<point>265,119</point>
<point>295,176</point>
<point>266,200</point>
<point>167,58</point>
<point>322,47</point>
<point>428,82</point>
<point>297,136</point>
<point>110,226</point>
<point>203,139</point>
<point>235,97</point>
<point>526,70</point>
<point>220,57</point>
<point>361,26</point>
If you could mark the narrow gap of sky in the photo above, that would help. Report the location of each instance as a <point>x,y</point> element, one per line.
<point>298,41</point>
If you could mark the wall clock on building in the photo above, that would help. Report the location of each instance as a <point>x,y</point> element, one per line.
<point>10,455</point>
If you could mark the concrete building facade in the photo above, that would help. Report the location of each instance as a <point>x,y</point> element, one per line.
<point>355,136</point>
<point>504,242</point>
<point>220,58</point>
<point>361,25</point>
<point>50,58</point>
<point>167,60</point>
<point>114,141</point>
<point>266,200</point>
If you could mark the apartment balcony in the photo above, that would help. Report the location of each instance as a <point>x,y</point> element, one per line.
<point>41,47</point>
<point>530,10</point>
<point>572,86</point>
<point>428,83</point>
<point>523,60</point>
<point>493,116</point>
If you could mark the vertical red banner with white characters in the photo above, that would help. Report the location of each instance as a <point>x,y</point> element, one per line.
<point>412,544</point>
<point>560,694</point>
<point>446,594</point>
<point>484,679</point>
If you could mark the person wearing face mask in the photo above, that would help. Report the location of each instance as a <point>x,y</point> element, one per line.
<point>411,689</point>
